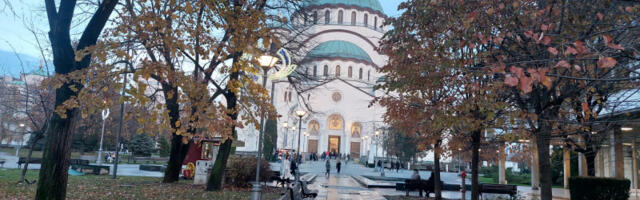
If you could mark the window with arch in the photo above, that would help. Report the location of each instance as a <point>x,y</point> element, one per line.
<point>340,17</point>
<point>375,22</point>
<point>338,71</point>
<point>335,122</point>
<point>366,19</point>
<point>286,94</point>
<point>315,70</point>
<point>369,75</point>
<point>360,74</point>
<point>306,71</point>
<point>356,129</point>
<point>315,17</point>
<point>327,17</point>
<point>305,18</point>
<point>314,127</point>
<point>349,72</point>
<point>326,71</point>
<point>353,18</point>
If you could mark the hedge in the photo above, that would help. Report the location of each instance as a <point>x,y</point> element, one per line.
<point>596,188</point>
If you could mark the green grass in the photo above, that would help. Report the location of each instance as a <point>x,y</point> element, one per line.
<point>76,155</point>
<point>483,179</point>
<point>103,187</point>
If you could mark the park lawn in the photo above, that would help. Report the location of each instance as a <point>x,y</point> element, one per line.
<point>103,187</point>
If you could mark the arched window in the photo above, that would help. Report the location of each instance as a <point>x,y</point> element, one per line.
<point>306,71</point>
<point>366,19</point>
<point>349,72</point>
<point>340,17</point>
<point>356,129</point>
<point>286,93</point>
<point>353,18</point>
<point>368,75</point>
<point>315,17</point>
<point>375,22</point>
<point>338,71</point>
<point>335,122</point>
<point>315,70</point>
<point>326,70</point>
<point>327,17</point>
<point>306,18</point>
<point>360,74</point>
<point>314,127</point>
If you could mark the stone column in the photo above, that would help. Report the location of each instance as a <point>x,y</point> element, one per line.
<point>597,164</point>
<point>634,164</point>
<point>535,180</point>
<point>502,179</point>
<point>566,158</point>
<point>618,153</point>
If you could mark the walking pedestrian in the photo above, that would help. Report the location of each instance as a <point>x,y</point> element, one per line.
<point>379,164</point>
<point>327,165</point>
<point>338,166</point>
<point>397,166</point>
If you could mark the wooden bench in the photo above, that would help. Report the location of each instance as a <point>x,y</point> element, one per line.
<point>91,169</point>
<point>150,159</point>
<point>306,192</point>
<point>420,185</point>
<point>275,176</point>
<point>2,163</point>
<point>511,190</point>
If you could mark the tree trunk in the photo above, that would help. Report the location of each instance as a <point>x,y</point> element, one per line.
<point>215,179</point>
<point>178,148</point>
<point>26,165</point>
<point>475,146</point>
<point>590,156</point>
<point>437,188</point>
<point>52,182</point>
<point>542,140</point>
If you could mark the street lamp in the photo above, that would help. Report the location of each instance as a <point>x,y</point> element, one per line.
<point>266,62</point>
<point>105,114</point>
<point>21,140</point>
<point>300,114</point>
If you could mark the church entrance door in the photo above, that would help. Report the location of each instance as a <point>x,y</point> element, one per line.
<point>334,144</point>
<point>355,150</point>
<point>313,146</point>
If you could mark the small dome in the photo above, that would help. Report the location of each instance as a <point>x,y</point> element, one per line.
<point>372,4</point>
<point>339,49</point>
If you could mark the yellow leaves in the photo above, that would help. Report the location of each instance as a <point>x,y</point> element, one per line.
<point>552,50</point>
<point>606,62</point>
<point>609,42</point>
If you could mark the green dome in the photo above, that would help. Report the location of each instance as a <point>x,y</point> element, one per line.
<point>339,49</point>
<point>372,4</point>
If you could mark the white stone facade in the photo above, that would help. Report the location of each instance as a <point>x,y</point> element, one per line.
<point>339,110</point>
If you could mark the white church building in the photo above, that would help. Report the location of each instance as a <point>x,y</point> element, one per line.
<point>343,64</point>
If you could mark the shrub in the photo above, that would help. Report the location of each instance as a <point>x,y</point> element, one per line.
<point>165,147</point>
<point>596,188</point>
<point>242,171</point>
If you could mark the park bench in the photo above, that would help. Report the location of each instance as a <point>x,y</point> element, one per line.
<point>23,160</point>
<point>2,163</point>
<point>91,169</point>
<point>420,185</point>
<point>511,190</point>
<point>150,159</point>
<point>275,176</point>
<point>153,168</point>
<point>306,192</point>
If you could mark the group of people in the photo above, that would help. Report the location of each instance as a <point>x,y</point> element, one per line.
<point>394,165</point>
<point>327,165</point>
<point>109,157</point>
<point>333,155</point>
<point>289,166</point>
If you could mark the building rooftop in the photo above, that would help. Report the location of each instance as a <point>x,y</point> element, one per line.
<point>339,49</point>
<point>372,4</point>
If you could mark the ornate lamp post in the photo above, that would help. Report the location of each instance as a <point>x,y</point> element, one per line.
<point>105,114</point>
<point>21,140</point>
<point>266,62</point>
<point>300,114</point>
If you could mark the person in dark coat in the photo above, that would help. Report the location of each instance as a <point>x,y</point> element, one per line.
<point>338,166</point>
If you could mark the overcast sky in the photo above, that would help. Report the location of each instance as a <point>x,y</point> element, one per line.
<point>15,34</point>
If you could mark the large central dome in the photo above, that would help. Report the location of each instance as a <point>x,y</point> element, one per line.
<point>339,49</point>
<point>372,4</point>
